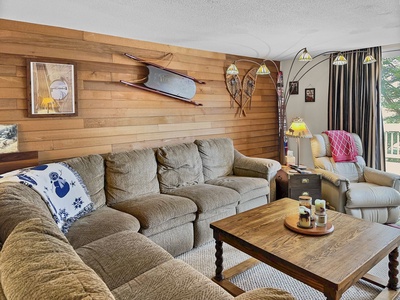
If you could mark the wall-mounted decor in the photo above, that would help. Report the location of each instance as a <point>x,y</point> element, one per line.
<point>310,95</point>
<point>242,92</point>
<point>294,87</point>
<point>166,82</point>
<point>8,138</point>
<point>51,87</point>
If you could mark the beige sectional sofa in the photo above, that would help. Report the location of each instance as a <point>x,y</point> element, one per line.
<point>149,206</point>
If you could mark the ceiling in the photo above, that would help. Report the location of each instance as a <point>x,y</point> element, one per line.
<point>273,29</point>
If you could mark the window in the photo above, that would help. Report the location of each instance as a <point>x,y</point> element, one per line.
<point>390,101</point>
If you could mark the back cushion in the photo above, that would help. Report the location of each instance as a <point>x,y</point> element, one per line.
<point>322,155</point>
<point>217,156</point>
<point>37,262</point>
<point>178,166</point>
<point>91,170</point>
<point>130,174</point>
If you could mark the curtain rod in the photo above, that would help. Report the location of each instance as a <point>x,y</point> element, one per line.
<point>392,50</point>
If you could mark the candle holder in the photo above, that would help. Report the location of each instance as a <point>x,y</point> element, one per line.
<point>304,217</point>
<point>321,218</point>
<point>320,206</point>
<point>305,201</point>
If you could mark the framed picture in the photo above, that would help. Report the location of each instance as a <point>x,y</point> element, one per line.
<point>8,138</point>
<point>294,87</point>
<point>310,95</point>
<point>51,87</point>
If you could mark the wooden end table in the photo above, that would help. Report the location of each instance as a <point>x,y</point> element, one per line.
<point>291,184</point>
<point>337,261</point>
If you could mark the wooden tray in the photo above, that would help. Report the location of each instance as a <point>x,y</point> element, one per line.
<point>292,220</point>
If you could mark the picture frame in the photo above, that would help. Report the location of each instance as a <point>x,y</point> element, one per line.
<point>8,138</point>
<point>51,88</point>
<point>309,95</point>
<point>294,87</point>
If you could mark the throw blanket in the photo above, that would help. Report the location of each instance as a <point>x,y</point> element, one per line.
<point>60,187</point>
<point>343,146</point>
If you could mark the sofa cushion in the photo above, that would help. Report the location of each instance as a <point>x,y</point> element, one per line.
<point>217,156</point>
<point>91,170</point>
<point>121,257</point>
<point>178,166</point>
<point>207,196</point>
<point>130,174</point>
<point>38,263</point>
<point>248,187</point>
<point>155,209</point>
<point>370,195</point>
<point>173,279</point>
<point>102,222</point>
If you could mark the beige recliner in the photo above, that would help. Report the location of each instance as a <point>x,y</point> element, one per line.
<point>354,188</point>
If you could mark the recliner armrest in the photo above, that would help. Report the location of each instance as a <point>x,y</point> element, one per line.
<point>254,166</point>
<point>382,178</point>
<point>334,178</point>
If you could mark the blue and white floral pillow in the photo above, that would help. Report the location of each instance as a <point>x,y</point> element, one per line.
<point>60,187</point>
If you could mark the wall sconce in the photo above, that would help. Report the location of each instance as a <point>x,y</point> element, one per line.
<point>242,92</point>
<point>298,129</point>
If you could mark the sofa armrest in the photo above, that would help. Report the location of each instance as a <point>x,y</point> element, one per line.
<point>382,178</point>
<point>265,293</point>
<point>255,167</point>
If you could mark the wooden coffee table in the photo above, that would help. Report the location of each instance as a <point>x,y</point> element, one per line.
<point>330,263</point>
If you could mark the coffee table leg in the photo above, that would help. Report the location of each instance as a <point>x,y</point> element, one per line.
<point>393,271</point>
<point>219,260</point>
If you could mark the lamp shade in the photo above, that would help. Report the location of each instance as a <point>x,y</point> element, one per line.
<point>340,60</point>
<point>298,129</point>
<point>263,70</point>
<point>232,70</point>
<point>305,56</point>
<point>369,59</point>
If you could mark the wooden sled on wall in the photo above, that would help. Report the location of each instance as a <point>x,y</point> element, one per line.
<point>166,82</point>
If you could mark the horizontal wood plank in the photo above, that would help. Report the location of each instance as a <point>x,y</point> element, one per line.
<point>115,117</point>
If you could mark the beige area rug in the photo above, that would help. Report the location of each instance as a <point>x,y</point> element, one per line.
<point>262,275</point>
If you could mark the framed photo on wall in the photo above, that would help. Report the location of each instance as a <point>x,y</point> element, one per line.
<point>8,138</point>
<point>310,95</point>
<point>294,87</point>
<point>51,87</point>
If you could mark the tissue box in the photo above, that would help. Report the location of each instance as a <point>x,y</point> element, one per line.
<point>290,160</point>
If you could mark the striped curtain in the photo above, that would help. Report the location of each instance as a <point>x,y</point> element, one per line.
<point>354,102</point>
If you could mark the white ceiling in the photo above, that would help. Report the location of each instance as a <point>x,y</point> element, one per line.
<point>273,29</point>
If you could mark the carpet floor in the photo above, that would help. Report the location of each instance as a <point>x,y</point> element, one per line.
<point>262,275</point>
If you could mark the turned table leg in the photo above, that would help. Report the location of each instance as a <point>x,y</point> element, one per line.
<point>219,260</point>
<point>393,271</point>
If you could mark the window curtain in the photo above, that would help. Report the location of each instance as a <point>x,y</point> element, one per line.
<point>354,102</point>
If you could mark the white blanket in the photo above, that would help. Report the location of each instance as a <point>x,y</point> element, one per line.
<point>60,187</point>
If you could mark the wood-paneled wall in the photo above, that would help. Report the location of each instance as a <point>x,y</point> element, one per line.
<point>113,117</point>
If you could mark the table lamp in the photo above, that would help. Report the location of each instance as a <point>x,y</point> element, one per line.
<point>298,129</point>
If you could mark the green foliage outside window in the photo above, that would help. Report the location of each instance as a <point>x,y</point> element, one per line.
<point>390,96</point>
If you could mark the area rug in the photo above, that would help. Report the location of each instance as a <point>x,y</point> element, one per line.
<point>262,275</point>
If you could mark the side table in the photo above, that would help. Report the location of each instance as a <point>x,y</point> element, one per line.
<point>293,184</point>
<point>17,160</point>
